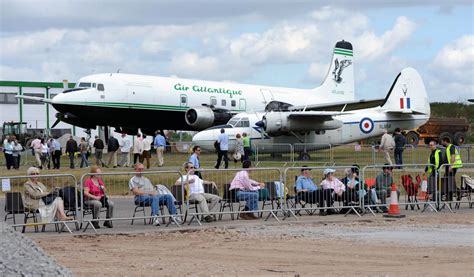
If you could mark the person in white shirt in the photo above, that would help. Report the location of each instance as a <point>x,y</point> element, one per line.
<point>146,152</point>
<point>36,146</point>
<point>194,187</point>
<point>223,141</point>
<point>125,146</point>
<point>333,187</point>
<point>137,148</point>
<point>387,143</point>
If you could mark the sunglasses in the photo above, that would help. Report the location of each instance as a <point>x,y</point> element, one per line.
<point>192,167</point>
<point>34,174</point>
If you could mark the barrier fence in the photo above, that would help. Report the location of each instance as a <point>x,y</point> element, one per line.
<point>267,153</point>
<point>337,194</point>
<point>122,204</point>
<point>30,196</point>
<point>362,193</point>
<point>312,153</point>
<point>455,186</point>
<point>415,188</point>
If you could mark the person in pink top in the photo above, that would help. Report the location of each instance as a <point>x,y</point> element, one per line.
<point>333,187</point>
<point>246,190</point>
<point>94,197</point>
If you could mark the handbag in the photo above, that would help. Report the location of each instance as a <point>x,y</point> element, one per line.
<point>48,199</point>
<point>105,201</point>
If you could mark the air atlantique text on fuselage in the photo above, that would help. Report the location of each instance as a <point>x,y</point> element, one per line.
<point>197,88</point>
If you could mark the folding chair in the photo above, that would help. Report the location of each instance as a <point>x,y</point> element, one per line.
<point>228,200</point>
<point>464,191</point>
<point>14,205</point>
<point>411,190</point>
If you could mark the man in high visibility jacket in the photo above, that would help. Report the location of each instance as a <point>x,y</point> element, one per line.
<point>452,157</point>
<point>435,158</point>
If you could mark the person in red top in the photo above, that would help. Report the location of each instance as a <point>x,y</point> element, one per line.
<point>94,197</point>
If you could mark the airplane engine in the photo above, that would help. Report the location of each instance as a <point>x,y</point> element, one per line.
<point>280,123</point>
<point>74,120</point>
<point>204,117</point>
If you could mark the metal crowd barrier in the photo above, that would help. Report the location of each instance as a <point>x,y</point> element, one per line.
<point>273,194</point>
<point>14,196</point>
<point>352,154</point>
<point>453,188</point>
<point>124,205</point>
<point>415,189</point>
<point>347,202</point>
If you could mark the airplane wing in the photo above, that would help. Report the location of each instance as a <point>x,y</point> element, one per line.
<point>33,98</point>
<point>340,106</point>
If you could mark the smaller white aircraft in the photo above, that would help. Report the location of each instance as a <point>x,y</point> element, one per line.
<point>406,106</point>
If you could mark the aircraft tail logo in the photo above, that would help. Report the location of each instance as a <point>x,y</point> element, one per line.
<point>338,68</point>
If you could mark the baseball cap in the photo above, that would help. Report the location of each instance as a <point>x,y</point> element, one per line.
<point>329,170</point>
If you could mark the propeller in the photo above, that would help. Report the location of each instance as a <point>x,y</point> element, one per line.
<point>56,123</point>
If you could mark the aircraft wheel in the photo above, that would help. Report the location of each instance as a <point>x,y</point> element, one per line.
<point>304,156</point>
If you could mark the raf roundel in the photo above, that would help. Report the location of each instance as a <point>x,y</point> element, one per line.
<point>366,125</point>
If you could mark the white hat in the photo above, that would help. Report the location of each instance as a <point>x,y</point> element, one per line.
<point>329,170</point>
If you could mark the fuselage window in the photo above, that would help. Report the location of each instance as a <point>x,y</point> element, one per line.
<point>183,99</point>
<point>93,85</point>
<point>223,103</point>
<point>213,101</point>
<point>233,103</point>
<point>100,87</point>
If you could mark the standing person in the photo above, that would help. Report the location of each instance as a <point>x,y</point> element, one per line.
<point>247,190</point>
<point>194,159</point>
<point>16,154</point>
<point>50,152</point>
<point>112,147</point>
<point>247,146</point>
<point>400,142</point>
<point>125,146</point>
<point>71,149</point>
<point>160,144</point>
<point>95,198</point>
<point>453,159</point>
<point>145,193</point>
<point>99,150</point>
<point>239,149</point>
<point>44,154</point>
<point>56,154</point>
<point>8,151</point>
<point>436,159</point>
<point>195,190</point>
<point>137,149</point>
<point>387,144</point>
<point>84,147</point>
<point>223,141</point>
<point>146,152</point>
<point>36,146</point>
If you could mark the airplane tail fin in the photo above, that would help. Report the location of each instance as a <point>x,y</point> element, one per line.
<point>407,94</point>
<point>339,81</point>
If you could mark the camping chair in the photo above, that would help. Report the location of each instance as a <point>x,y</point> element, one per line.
<point>465,190</point>
<point>14,205</point>
<point>228,200</point>
<point>272,197</point>
<point>411,190</point>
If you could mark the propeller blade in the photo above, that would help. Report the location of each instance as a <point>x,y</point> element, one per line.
<point>56,123</point>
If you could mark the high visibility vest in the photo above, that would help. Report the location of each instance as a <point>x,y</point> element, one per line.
<point>437,154</point>
<point>246,141</point>
<point>457,163</point>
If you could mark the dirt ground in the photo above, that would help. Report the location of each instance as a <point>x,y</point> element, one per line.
<point>421,245</point>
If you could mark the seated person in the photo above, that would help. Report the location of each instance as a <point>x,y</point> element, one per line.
<point>333,188</point>
<point>145,193</point>
<point>382,187</point>
<point>195,189</point>
<point>351,181</point>
<point>35,195</point>
<point>94,197</point>
<point>307,191</point>
<point>247,190</point>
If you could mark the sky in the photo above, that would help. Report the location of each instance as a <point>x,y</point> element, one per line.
<point>267,42</point>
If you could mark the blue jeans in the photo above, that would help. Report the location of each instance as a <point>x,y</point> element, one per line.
<point>398,155</point>
<point>250,198</point>
<point>84,159</point>
<point>156,201</point>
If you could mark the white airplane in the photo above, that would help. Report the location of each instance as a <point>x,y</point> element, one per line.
<point>128,102</point>
<point>406,106</point>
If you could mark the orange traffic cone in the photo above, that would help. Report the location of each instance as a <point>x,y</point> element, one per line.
<point>394,209</point>
<point>424,189</point>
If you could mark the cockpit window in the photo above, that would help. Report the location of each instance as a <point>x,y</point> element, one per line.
<point>84,85</point>
<point>239,122</point>
<point>93,85</point>
<point>100,87</point>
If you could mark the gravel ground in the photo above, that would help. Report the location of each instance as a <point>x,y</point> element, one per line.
<point>20,256</point>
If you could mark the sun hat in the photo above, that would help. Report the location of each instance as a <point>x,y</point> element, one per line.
<point>329,170</point>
